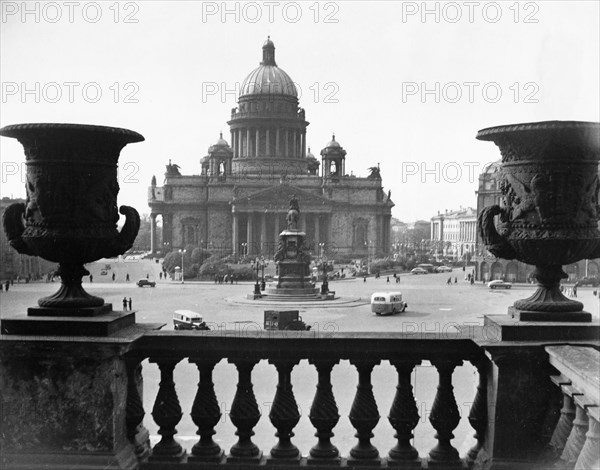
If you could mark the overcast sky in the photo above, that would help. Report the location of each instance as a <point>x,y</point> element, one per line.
<point>403,84</point>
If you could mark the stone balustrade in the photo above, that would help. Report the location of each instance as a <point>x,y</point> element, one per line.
<point>77,402</point>
<point>364,351</point>
<point>576,438</point>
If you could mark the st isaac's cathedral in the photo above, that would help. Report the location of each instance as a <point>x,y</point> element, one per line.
<point>239,201</point>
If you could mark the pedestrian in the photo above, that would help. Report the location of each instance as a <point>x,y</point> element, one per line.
<point>147,276</point>
<point>124,304</point>
<point>455,279</point>
<point>397,279</point>
<point>129,303</point>
<point>127,277</point>
<point>472,280</point>
<point>449,281</point>
<point>365,279</point>
<point>113,277</point>
<point>388,279</point>
<point>160,275</point>
<point>7,285</point>
<point>575,290</point>
<point>91,278</point>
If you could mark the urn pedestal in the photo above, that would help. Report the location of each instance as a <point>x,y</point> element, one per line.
<point>548,216</point>
<point>70,217</point>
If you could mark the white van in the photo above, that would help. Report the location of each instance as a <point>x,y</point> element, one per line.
<point>385,303</point>
<point>188,320</point>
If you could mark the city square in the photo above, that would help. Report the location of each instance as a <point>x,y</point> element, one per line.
<point>300,235</point>
<point>434,307</point>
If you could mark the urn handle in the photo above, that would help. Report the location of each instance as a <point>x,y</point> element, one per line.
<point>12,220</point>
<point>128,233</point>
<point>493,241</point>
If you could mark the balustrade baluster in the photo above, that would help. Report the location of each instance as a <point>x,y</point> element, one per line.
<point>166,413</point>
<point>444,416</point>
<point>577,437</point>
<point>403,417</point>
<point>244,414</point>
<point>284,413</point>
<point>478,412</point>
<point>590,454</point>
<point>364,416</point>
<point>134,410</point>
<point>205,413</point>
<point>324,415</point>
<point>564,425</point>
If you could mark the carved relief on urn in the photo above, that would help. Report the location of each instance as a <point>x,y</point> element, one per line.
<point>549,214</point>
<point>70,215</point>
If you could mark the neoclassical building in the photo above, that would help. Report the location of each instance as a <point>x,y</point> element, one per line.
<point>238,201</point>
<point>454,233</point>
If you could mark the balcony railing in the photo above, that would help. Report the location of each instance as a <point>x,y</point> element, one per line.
<point>363,351</point>
<point>79,400</point>
<point>575,442</point>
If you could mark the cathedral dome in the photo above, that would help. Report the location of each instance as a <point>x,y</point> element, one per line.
<point>267,78</point>
<point>333,143</point>
<point>221,144</point>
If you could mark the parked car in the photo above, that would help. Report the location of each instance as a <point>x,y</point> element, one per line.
<point>146,282</point>
<point>384,303</point>
<point>588,281</point>
<point>188,320</point>
<point>443,269</point>
<point>418,271</point>
<point>499,284</point>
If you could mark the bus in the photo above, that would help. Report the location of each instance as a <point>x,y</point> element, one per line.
<point>387,303</point>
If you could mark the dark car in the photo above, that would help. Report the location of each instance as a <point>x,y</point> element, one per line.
<point>146,282</point>
<point>499,284</point>
<point>588,281</point>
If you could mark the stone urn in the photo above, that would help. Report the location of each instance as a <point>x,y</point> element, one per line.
<point>549,211</point>
<point>70,214</point>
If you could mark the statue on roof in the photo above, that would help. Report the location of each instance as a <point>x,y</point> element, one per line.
<point>173,169</point>
<point>374,172</point>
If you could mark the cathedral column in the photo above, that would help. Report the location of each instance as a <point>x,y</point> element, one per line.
<point>268,143</point>
<point>317,229</point>
<point>263,233</point>
<point>257,143</point>
<point>286,145</point>
<point>152,233</point>
<point>249,234</point>
<point>303,223</point>
<point>303,144</point>
<point>238,133</point>
<point>232,140</point>
<point>277,146</point>
<point>234,235</point>
<point>294,144</point>
<point>247,142</point>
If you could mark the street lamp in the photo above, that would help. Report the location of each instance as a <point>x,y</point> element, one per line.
<point>182,252</point>
<point>257,285</point>
<point>325,284</point>
<point>263,284</point>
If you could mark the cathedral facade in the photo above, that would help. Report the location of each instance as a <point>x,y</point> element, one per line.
<point>238,202</point>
